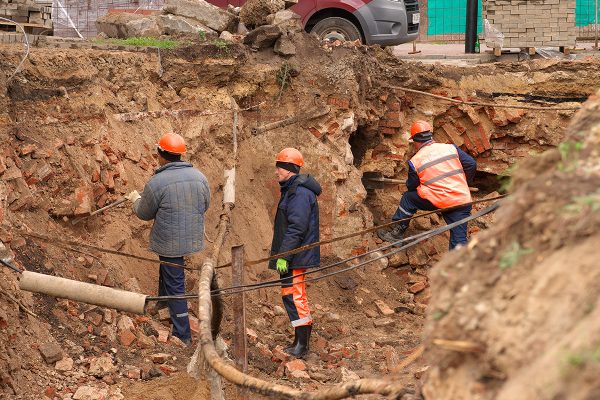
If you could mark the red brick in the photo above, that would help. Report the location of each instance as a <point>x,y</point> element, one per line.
<point>332,128</point>
<point>475,139</point>
<point>315,132</point>
<point>394,115</point>
<point>126,337</point>
<point>167,369</point>
<point>484,137</point>
<point>96,174</point>
<point>388,131</point>
<point>27,149</point>
<point>469,145</point>
<point>98,190</point>
<point>295,365</point>
<point>358,250</point>
<point>390,123</point>
<point>134,373</point>
<point>395,106</point>
<point>417,287</point>
<point>194,324</point>
<point>279,354</point>
<point>514,116</point>
<point>82,200</point>
<point>108,179</point>
<point>320,344</point>
<point>163,336</point>
<point>280,371</point>
<point>383,308</point>
<point>453,134</point>
<point>338,102</point>
<point>95,318</point>
<point>50,392</point>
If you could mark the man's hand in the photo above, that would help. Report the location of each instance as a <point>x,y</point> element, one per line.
<point>282,266</point>
<point>133,196</point>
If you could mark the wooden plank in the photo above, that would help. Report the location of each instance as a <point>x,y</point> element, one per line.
<point>239,315</point>
<point>25,24</point>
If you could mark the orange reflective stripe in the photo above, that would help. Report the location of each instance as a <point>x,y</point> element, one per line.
<point>287,290</point>
<point>443,181</point>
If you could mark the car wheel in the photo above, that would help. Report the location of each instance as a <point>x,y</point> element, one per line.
<point>336,28</point>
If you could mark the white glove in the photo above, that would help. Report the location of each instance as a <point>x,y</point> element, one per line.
<point>133,196</point>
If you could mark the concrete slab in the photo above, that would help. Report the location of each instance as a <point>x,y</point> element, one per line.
<point>454,54</point>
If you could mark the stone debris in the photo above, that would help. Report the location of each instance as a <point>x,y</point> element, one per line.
<point>51,352</point>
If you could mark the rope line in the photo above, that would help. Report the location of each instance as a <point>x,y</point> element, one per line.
<point>56,241</point>
<point>417,239</point>
<point>26,50</point>
<point>368,230</point>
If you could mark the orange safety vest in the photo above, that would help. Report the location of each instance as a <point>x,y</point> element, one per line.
<point>443,181</point>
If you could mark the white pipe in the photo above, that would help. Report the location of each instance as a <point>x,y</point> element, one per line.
<point>84,292</point>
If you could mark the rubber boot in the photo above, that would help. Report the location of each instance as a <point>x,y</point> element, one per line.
<point>301,348</point>
<point>290,348</point>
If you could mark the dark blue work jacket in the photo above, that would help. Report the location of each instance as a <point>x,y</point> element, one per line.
<point>297,222</point>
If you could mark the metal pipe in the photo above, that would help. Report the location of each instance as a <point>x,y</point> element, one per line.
<point>471,26</point>
<point>84,292</point>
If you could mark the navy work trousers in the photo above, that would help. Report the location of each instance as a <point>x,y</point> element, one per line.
<point>171,281</point>
<point>411,202</point>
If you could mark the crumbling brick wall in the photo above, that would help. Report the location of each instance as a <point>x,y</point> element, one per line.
<point>533,23</point>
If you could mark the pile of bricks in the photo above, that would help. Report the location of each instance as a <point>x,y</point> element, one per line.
<point>533,23</point>
<point>32,13</point>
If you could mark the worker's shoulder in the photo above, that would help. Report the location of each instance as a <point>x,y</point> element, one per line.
<point>180,173</point>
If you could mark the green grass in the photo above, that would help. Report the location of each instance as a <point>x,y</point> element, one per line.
<point>142,41</point>
<point>512,254</point>
<point>579,204</point>
<point>569,155</point>
<point>583,357</point>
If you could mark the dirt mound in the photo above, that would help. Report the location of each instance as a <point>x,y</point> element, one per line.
<point>526,291</point>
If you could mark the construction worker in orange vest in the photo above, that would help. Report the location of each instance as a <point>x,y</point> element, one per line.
<point>438,177</point>
<point>296,225</point>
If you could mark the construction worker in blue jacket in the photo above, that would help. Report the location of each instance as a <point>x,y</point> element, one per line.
<point>176,198</point>
<point>438,177</point>
<point>296,225</point>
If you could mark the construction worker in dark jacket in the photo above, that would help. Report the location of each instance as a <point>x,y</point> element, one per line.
<point>438,177</point>
<point>176,198</point>
<point>296,225</point>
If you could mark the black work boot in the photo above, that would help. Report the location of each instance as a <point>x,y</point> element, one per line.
<point>301,348</point>
<point>290,348</point>
<point>393,235</point>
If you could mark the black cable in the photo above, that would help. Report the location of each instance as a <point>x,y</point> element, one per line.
<point>6,264</point>
<point>419,238</point>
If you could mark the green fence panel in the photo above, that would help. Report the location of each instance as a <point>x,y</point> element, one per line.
<point>448,17</point>
<point>584,12</point>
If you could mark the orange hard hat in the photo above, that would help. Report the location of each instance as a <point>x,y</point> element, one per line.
<point>290,155</point>
<point>420,126</point>
<point>172,143</point>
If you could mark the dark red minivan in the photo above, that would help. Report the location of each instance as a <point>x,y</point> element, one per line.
<point>384,22</point>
